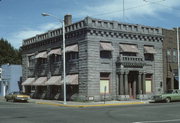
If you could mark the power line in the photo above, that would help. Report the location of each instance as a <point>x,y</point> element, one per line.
<point>125,9</point>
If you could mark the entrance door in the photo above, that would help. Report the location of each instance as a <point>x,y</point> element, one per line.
<point>132,81</point>
<point>168,84</point>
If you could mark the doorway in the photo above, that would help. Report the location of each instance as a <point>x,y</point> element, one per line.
<point>132,84</point>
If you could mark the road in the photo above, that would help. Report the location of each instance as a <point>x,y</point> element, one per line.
<point>37,113</point>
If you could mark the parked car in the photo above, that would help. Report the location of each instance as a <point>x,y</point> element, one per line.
<point>170,95</point>
<point>17,96</point>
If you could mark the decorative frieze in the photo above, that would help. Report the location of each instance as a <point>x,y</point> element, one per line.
<point>124,35</point>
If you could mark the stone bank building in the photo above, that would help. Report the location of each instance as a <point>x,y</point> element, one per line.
<point>120,60</point>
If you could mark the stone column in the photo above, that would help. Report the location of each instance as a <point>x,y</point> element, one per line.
<point>134,88</point>
<point>48,92</point>
<point>121,83</point>
<point>126,83</point>
<point>139,83</point>
<point>117,84</point>
<point>143,83</point>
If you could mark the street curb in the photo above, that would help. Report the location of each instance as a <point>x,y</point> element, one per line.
<point>96,105</point>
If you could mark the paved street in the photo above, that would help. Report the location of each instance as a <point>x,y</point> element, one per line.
<point>38,113</point>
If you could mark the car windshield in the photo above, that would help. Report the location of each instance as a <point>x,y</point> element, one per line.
<point>17,93</point>
<point>169,91</point>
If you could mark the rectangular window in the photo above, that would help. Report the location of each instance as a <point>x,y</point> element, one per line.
<point>148,86</point>
<point>42,61</point>
<point>105,54</point>
<point>104,86</point>
<point>104,82</point>
<point>71,56</point>
<point>174,55</point>
<point>148,83</point>
<point>31,61</point>
<point>149,57</point>
<point>128,54</point>
<point>55,58</point>
<point>168,53</point>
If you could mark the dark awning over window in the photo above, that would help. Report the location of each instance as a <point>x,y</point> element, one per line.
<point>149,49</point>
<point>54,80</point>
<point>41,55</point>
<point>129,48</point>
<point>72,48</point>
<point>55,51</point>
<point>106,46</point>
<point>40,81</point>
<point>28,81</point>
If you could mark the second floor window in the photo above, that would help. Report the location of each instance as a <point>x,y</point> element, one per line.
<point>106,50</point>
<point>128,54</point>
<point>105,54</point>
<point>42,61</point>
<point>149,57</point>
<point>71,56</point>
<point>31,61</point>
<point>149,52</point>
<point>55,58</point>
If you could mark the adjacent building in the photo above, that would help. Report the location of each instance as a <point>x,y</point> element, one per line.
<point>170,59</point>
<point>9,78</point>
<point>120,60</point>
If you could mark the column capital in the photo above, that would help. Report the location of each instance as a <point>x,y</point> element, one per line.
<point>126,72</point>
<point>140,73</point>
<point>121,72</point>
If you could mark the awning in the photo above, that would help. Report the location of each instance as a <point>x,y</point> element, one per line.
<point>72,79</point>
<point>31,54</point>
<point>129,48</point>
<point>55,51</point>
<point>28,81</point>
<point>54,80</point>
<point>149,49</point>
<point>40,81</point>
<point>106,46</point>
<point>41,55</point>
<point>72,48</point>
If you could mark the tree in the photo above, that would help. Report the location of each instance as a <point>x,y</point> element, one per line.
<point>9,54</point>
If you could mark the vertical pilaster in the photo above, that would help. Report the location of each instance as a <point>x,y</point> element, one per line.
<point>143,83</point>
<point>134,88</point>
<point>121,84</point>
<point>126,83</point>
<point>139,83</point>
<point>117,84</point>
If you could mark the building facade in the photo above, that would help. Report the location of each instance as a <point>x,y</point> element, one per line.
<point>122,61</point>
<point>10,75</point>
<point>170,59</point>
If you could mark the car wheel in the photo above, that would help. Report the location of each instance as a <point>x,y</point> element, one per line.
<point>168,100</point>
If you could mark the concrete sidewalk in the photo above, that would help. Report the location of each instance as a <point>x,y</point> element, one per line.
<point>84,104</point>
<point>88,104</point>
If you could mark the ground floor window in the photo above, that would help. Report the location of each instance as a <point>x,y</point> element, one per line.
<point>104,82</point>
<point>148,83</point>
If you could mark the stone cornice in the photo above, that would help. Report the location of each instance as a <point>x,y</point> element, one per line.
<point>124,35</point>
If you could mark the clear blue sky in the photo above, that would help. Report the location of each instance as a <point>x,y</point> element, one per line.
<point>21,19</point>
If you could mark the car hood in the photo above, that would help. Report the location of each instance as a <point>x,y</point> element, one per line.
<point>22,95</point>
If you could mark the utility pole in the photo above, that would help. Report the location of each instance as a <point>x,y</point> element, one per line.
<point>123,11</point>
